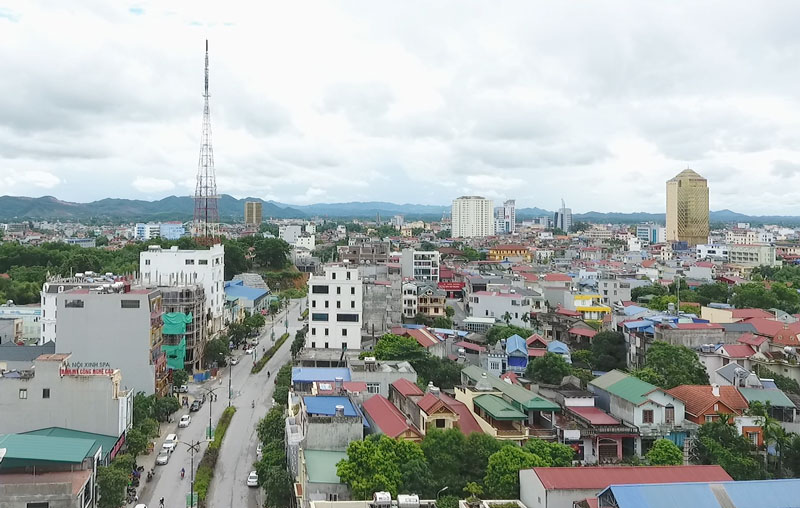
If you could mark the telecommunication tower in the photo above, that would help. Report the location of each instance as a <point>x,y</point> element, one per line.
<point>206,201</point>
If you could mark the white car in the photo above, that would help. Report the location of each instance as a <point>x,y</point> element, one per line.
<point>235,361</point>
<point>252,479</point>
<point>185,421</point>
<point>249,351</point>
<point>141,506</point>
<point>258,451</point>
<point>163,458</point>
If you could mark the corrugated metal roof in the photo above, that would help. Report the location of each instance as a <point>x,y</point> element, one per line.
<point>11,352</point>
<point>326,405</point>
<point>608,379</point>
<point>386,416</point>
<point>522,396</point>
<point>107,442</point>
<point>600,477</point>
<point>774,396</point>
<point>406,388</point>
<point>498,408</point>
<point>632,389</point>
<point>310,374</point>
<point>29,447</point>
<point>321,465</point>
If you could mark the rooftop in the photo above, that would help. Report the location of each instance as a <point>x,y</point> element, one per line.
<point>600,477</point>
<point>311,374</point>
<point>406,388</point>
<point>522,396</point>
<point>498,408</point>
<point>321,465</point>
<point>594,415</point>
<point>77,478</point>
<point>386,416</point>
<point>326,405</point>
<point>22,449</point>
<point>100,440</point>
<point>11,352</point>
<point>775,397</point>
<point>700,400</point>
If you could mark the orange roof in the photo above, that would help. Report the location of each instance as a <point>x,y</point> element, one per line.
<point>751,313</point>
<point>787,336</point>
<point>557,277</point>
<point>536,338</point>
<point>406,388</point>
<point>648,263</point>
<point>430,403</point>
<point>700,401</point>
<point>510,246</point>
<point>765,326</point>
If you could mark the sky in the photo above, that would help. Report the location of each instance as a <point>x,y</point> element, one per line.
<point>598,103</point>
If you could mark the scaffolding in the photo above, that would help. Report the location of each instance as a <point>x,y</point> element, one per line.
<point>189,299</point>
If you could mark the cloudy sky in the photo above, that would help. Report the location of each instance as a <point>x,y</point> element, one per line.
<point>404,101</point>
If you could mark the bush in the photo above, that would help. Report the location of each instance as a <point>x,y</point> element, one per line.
<point>269,354</point>
<point>205,470</point>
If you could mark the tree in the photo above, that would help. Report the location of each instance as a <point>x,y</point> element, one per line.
<point>507,318</point>
<point>718,442</point>
<point>444,452</point>
<point>266,227</point>
<point>235,261</point>
<point>471,254</point>
<point>255,321</point>
<point>111,483</point>
<point>163,407</point>
<point>609,351</point>
<point>502,473</point>
<point>717,292</point>
<point>421,319</point>
<point>583,357</point>
<point>500,332</point>
<point>142,407</point>
<point>272,253</point>
<point>580,227</point>
<point>149,427</point>
<point>479,447</point>
<point>136,442</point>
<point>216,351</point>
<point>396,347</point>
<point>380,463</point>
<point>549,369</point>
<point>648,375</point>
<point>653,289</point>
<point>277,486</point>
<point>784,383</point>
<point>677,365</point>
<point>665,453</point>
<point>124,462</point>
<point>554,454</point>
<point>449,311</point>
<point>442,322</point>
<point>272,428</point>
<point>755,294</point>
<point>298,343</point>
<point>179,377</point>
<point>101,241</point>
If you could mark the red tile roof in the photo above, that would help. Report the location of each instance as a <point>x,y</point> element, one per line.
<point>471,346</point>
<point>511,376</point>
<point>557,277</point>
<point>536,338</point>
<point>595,415</point>
<point>430,403</point>
<point>751,313</point>
<point>787,336</point>
<point>700,401</point>
<point>699,326</point>
<point>738,350</point>
<point>567,312</point>
<point>406,388</point>
<point>466,420</point>
<point>530,277</point>
<point>354,386</point>
<point>753,340</point>
<point>421,335</point>
<point>648,263</point>
<point>536,351</point>
<point>582,332</point>
<point>386,416</point>
<point>704,264</point>
<point>764,326</point>
<point>599,477</point>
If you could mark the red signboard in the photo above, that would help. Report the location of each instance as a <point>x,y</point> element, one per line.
<point>451,286</point>
<point>85,372</point>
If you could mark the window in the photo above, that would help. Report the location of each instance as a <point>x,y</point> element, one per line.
<point>647,416</point>
<point>353,290</point>
<point>42,504</point>
<point>202,261</point>
<point>669,414</point>
<point>344,332</point>
<point>709,418</point>
<point>147,261</point>
<point>353,304</point>
<point>326,331</point>
<point>374,387</point>
<point>333,275</point>
<point>338,305</point>
<point>23,393</point>
<point>348,318</point>
<point>326,304</point>
<point>339,290</point>
<point>318,316</point>
<point>313,345</point>
<point>45,393</point>
<point>129,304</point>
<point>753,437</point>
<point>313,303</point>
<point>326,345</point>
<point>440,423</point>
<point>313,331</point>
<point>189,261</point>
<point>320,290</point>
<point>74,304</point>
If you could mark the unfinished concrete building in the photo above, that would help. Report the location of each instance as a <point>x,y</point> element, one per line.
<point>188,300</point>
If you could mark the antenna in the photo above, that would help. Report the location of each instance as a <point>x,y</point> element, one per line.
<point>206,201</point>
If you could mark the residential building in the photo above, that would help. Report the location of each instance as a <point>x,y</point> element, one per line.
<point>509,252</point>
<point>10,330</point>
<point>563,218</point>
<point>52,291</point>
<point>378,375</point>
<point>420,265</point>
<point>189,300</point>
<point>171,230</point>
<point>753,255</point>
<point>290,233</point>
<point>687,208</point>
<point>397,221</point>
<point>174,267</point>
<point>305,241</point>
<point>650,233</point>
<point>149,231</point>
<point>329,422</point>
<point>707,494</point>
<point>511,304</point>
<point>423,298</point>
<point>252,213</point>
<point>472,216</point>
<point>54,392</point>
<point>713,252</point>
<point>335,307</point>
<point>505,217</point>
<point>254,300</point>
<point>560,487</point>
<point>384,418</point>
<point>748,237</point>
<point>115,328</point>
<point>428,410</point>
<point>704,403</point>
<point>590,306</point>
<point>369,253</point>
<point>86,243</point>
<point>614,290</point>
<point>317,478</point>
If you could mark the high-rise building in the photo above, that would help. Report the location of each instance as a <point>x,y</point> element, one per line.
<point>563,218</point>
<point>472,216</point>
<point>509,216</point>
<point>687,208</point>
<point>252,213</point>
<point>335,303</point>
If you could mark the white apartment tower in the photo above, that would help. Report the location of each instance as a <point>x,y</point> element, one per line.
<point>335,308</point>
<point>472,216</point>
<point>507,217</point>
<point>173,267</point>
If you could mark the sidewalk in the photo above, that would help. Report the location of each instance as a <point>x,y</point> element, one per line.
<point>149,460</point>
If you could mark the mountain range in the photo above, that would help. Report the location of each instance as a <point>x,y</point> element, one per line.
<point>232,209</point>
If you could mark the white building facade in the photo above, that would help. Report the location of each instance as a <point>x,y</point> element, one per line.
<point>173,267</point>
<point>472,216</point>
<point>495,304</point>
<point>290,233</point>
<point>421,265</point>
<point>335,303</point>
<point>31,316</point>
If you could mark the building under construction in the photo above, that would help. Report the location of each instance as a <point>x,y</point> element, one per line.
<point>188,299</point>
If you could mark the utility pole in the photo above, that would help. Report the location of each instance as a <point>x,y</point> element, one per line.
<point>230,377</point>
<point>210,403</point>
<point>193,447</point>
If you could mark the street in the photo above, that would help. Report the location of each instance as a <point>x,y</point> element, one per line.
<point>238,453</point>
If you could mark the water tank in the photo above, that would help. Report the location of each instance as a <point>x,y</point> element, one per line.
<point>382,499</point>
<point>408,501</point>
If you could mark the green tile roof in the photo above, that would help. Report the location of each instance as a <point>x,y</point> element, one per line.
<point>321,465</point>
<point>24,449</point>
<point>775,397</point>
<point>107,442</point>
<point>608,379</point>
<point>632,389</point>
<point>498,408</point>
<point>527,399</point>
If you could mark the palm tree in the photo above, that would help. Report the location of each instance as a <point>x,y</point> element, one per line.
<point>507,318</point>
<point>525,318</point>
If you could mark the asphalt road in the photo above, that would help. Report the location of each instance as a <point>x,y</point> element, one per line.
<point>228,488</point>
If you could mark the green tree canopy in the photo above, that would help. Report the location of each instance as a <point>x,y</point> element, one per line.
<point>676,365</point>
<point>756,295</point>
<point>553,454</point>
<point>718,442</point>
<point>550,369</point>
<point>398,347</point>
<point>136,442</point>
<point>272,253</point>
<point>665,453</point>
<point>609,351</point>
<point>111,483</point>
<point>180,377</point>
<point>500,332</point>
<point>217,351</point>
<point>653,289</point>
<point>502,473</point>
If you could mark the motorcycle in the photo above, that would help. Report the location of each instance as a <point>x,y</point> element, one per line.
<point>150,475</point>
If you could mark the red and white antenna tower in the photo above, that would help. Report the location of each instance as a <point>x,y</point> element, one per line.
<point>206,200</point>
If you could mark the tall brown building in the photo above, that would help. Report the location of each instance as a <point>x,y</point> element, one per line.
<point>687,208</point>
<point>252,213</point>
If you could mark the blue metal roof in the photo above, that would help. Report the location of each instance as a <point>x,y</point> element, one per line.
<point>311,374</point>
<point>642,323</point>
<point>239,290</point>
<point>325,405</point>
<point>516,343</point>
<point>631,310</point>
<point>750,494</point>
<point>559,347</point>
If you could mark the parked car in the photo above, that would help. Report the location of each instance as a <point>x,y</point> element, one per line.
<point>196,405</point>
<point>235,361</point>
<point>252,479</point>
<point>163,458</point>
<point>170,442</point>
<point>249,351</point>
<point>258,451</point>
<point>185,421</point>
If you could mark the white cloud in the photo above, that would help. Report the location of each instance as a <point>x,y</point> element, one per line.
<point>24,178</point>
<point>152,185</point>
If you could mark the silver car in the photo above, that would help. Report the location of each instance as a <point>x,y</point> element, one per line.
<point>162,458</point>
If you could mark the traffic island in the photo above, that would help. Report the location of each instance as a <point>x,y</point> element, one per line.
<point>205,470</point>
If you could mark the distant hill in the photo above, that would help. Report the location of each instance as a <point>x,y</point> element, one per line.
<point>231,209</point>
<point>170,208</point>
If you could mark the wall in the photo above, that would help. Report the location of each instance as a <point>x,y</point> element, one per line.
<point>497,305</point>
<point>690,338</point>
<point>57,495</point>
<point>533,494</point>
<point>31,317</point>
<point>343,286</point>
<point>333,434</point>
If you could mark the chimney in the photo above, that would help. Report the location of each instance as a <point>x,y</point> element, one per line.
<point>715,390</point>
<point>339,385</point>
<point>339,410</point>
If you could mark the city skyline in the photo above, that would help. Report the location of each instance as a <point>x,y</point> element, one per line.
<point>352,107</point>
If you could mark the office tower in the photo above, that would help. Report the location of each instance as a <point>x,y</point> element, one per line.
<point>335,301</point>
<point>563,218</point>
<point>510,216</point>
<point>472,216</point>
<point>252,213</point>
<point>687,208</point>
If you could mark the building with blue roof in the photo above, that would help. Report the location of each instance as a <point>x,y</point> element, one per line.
<point>303,378</point>
<point>744,494</point>
<point>326,405</point>
<point>252,299</point>
<point>559,348</point>
<point>516,353</point>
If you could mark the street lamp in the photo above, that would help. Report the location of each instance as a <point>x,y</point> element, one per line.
<point>230,377</point>
<point>440,491</point>
<point>193,447</point>
<point>210,402</point>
